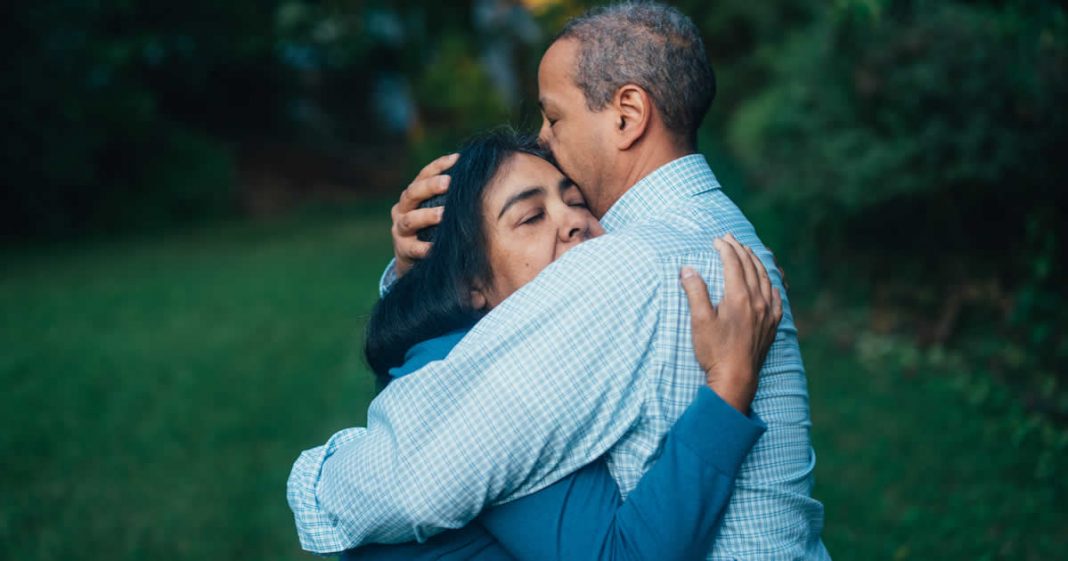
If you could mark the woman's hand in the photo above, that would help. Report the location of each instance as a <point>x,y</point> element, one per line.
<point>731,340</point>
<point>408,218</point>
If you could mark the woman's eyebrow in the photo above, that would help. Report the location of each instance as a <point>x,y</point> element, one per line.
<point>565,184</point>
<point>521,196</point>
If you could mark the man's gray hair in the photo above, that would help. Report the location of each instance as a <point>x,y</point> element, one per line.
<point>651,45</point>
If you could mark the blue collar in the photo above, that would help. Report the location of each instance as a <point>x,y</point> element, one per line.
<point>666,187</point>
<point>428,351</point>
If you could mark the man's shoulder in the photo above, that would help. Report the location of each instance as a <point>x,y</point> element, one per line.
<point>685,231</point>
<point>610,253</point>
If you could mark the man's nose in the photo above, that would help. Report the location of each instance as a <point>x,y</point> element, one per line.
<point>543,134</point>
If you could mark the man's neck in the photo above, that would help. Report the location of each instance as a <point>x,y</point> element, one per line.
<point>639,167</point>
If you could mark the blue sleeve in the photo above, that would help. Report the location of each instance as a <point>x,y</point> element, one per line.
<point>673,513</point>
<point>470,543</point>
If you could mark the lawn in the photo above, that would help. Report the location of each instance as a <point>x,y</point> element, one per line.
<point>158,389</point>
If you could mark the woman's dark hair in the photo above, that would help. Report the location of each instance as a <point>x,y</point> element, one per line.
<point>434,297</point>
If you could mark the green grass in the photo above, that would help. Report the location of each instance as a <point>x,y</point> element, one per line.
<point>157,390</point>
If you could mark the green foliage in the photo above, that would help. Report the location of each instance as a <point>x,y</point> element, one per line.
<point>456,99</point>
<point>915,145</point>
<point>174,177</point>
<point>92,97</point>
<point>914,107</point>
<point>920,457</point>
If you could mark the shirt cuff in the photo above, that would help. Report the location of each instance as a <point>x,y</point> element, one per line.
<point>317,529</point>
<point>717,432</point>
<point>389,276</point>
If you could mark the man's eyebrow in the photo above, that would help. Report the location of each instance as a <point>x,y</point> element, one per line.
<point>520,196</point>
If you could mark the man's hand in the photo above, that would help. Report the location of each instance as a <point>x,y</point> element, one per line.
<point>408,218</point>
<point>732,340</point>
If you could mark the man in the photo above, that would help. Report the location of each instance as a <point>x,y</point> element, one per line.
<point>593,356</point>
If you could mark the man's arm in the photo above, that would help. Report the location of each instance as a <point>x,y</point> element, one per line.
<point>671,515</point>
<point>389,276</point>
<point>545,384</point>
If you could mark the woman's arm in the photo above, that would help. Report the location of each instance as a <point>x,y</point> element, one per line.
<point>470,543</point>
<point>671,514</point>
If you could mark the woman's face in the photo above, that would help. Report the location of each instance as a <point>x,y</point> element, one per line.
<point>533,214</point>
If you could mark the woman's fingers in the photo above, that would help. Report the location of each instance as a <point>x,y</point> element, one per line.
<point>701,310</point>
<point>733,276</point>
<point>762,276</point>
<point>748,272</point>
<point>707,338</point>
<point>782,272</point>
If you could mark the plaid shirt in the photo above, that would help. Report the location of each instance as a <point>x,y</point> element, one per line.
<point>592,357</point>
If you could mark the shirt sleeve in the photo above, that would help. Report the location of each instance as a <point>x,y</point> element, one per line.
<point>672,514</point>
<point>543,385</point>
<point>389,276</point>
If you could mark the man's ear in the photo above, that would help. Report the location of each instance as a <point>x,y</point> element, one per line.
<point>634,111</point>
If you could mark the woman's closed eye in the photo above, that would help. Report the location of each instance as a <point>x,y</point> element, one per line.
<point>533,218</point>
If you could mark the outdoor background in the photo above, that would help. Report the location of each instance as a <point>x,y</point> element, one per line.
<point>194,215</point>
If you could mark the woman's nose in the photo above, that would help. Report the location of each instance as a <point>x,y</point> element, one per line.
<point>574,228</point>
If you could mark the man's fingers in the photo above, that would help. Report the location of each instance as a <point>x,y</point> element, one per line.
<point>411,222</point>
<point>437,166</point>
<point>420,190</point>
<point>701,310</point>
<point>733,277</point>
<point>419,250</point>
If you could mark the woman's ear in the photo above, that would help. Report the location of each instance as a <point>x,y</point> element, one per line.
<point>478,299</point>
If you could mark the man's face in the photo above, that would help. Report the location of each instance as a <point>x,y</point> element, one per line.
<point>577,136</point>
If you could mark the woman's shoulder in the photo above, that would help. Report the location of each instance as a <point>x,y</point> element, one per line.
<point>430,350</point>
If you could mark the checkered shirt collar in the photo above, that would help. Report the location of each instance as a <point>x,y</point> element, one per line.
<point>667,186</point>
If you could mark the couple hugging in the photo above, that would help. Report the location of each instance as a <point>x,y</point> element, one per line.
<point>528,392</point>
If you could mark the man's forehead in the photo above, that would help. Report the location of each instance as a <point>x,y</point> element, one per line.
<point>559,59</point>
<point>554,72</point>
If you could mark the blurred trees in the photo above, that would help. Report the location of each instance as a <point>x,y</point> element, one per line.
<point>108,108</point>
<point>908,148</point>
<point>124,115</point>
<point>916,149</point>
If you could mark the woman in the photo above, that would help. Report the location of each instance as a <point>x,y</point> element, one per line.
<point>508,214</point>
